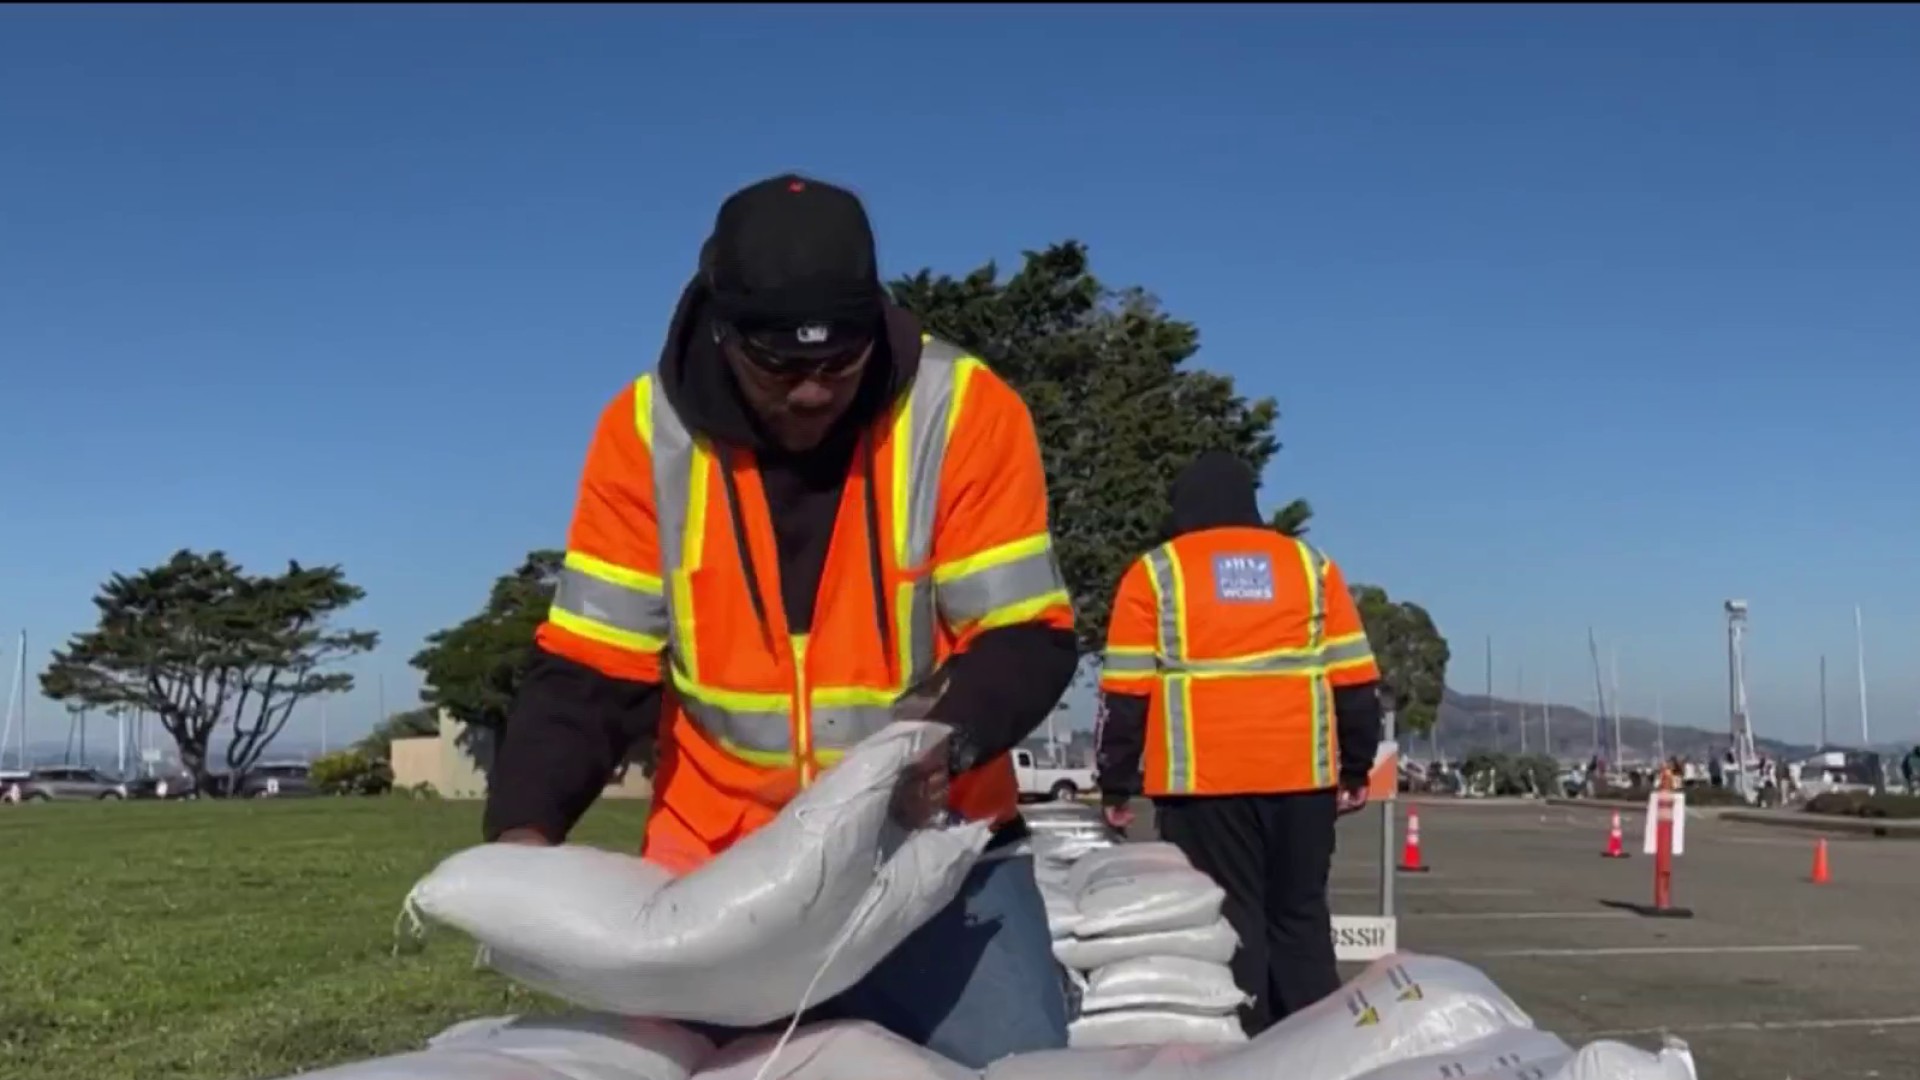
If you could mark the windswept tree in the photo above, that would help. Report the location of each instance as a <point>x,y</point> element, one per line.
<point>1412,655</point>
<point>1117,403</point>
<point>212,649</point>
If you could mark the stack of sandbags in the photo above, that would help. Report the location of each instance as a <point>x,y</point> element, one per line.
<point>1063,834</point>
<point>1406,1017</point>
<point>792,915</point>
<point>1149,950</point>
<point>569,1048</point>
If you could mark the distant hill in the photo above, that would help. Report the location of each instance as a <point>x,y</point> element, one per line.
<point>1470,722</point>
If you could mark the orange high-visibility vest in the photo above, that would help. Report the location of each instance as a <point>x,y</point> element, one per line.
<point>1240,636</point>
<point>653,589</point>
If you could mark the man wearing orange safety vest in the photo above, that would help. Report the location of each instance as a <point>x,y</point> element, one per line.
<point>806,510</point>
<point>1237,666</point>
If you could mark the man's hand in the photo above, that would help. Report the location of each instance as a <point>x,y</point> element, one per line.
<point>921,796</point>
<point>1117,808</point>
<point>1351,799</point>
<point>527,837</point>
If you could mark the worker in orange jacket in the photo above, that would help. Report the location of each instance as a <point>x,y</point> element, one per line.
<point>1236,665</point>
<point>807,510</point>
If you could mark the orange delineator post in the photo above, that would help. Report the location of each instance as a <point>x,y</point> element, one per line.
<point>1663,855</point>
<point>1410,854</point>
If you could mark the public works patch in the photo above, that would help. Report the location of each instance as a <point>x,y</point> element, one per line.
<point>1242,579</point>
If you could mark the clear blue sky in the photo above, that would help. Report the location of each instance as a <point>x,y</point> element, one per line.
<point>1575,315</point>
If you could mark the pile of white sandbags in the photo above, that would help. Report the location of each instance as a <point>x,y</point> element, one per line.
<point>1148,947</point>
<point>1405,1018</point>
<point>792,915</point>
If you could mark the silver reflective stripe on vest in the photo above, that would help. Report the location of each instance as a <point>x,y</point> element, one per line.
<point>1176,684</point>
<point>625,609</point>
<point>924,441</point>
<point>920,440</point>
<point>981,593</point>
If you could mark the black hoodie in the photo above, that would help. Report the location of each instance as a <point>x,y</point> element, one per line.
<point>1216,491</point>
<point>571,725</point>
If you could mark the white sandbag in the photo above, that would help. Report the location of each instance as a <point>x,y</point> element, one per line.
<point>1401,1007</point>
<point>1070,812</point>
<point>1216,943</point>
<point>564,1048</point>
<point>1176,1061</point>
<point>1607,1060</point>
<point>840,1050</point>
<point>1065,849</point>
<point>1148,902</point>
<point>1511,1049</point>
<point>1155,1027</point>
<point>815,898</point>
<point>1162,982</point>
<point>1062,914</point>
<point>1124,860</point>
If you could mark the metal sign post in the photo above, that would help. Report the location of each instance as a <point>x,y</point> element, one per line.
<point>1365,938</point>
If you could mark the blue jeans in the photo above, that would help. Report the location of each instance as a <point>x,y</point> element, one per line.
<point>977,982</point>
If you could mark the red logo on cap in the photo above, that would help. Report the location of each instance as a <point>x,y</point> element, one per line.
<point>796,185</point>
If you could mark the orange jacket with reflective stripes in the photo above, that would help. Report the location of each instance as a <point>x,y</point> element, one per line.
<point>1239,636</point>
<point>949,482</point>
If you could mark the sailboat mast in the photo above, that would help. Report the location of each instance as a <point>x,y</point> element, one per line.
<point>1860,654</point>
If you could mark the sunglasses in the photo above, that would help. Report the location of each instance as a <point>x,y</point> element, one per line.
<point>773,362</point>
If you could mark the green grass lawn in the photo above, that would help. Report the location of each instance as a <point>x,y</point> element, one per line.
<point>221,941</point>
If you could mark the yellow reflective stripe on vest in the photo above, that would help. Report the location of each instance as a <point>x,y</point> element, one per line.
<point>1321,720</point>
<point>610,604</point>
<point>759,727</point>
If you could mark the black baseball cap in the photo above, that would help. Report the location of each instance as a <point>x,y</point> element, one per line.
<point>791,268</point>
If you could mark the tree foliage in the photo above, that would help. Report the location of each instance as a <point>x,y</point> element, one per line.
<point>474,670</point>
<point>208,647</point>
<point>409,724</point>
<point>1118,408</point>
<point>351,772</point>
<point>1412,655</point>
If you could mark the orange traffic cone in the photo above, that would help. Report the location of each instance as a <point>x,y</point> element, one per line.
<point>1616,848</point>
<point>1820,872</point>
<point>1410,853</point>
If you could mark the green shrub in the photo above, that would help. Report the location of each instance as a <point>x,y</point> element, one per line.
<point>1863,805</point>
<point>351,772</point>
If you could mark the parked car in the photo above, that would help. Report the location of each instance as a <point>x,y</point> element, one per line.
<point>178,786</point>
<point>10,780</point>
<point>1039,780</point>
<point>67,783</point>
<point>277,780</point>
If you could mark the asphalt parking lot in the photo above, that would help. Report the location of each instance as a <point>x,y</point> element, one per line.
<point>1774,978</point>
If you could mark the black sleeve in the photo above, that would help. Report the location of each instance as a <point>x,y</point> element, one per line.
<point>1002,687</point>
<point>1356,713</point>
<point>569,728</point>
<point>1119,743</point>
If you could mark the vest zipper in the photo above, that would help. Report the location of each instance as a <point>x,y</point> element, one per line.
<point>802,712</point>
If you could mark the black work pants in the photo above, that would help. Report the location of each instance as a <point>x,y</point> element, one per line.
<point>1271,854</point>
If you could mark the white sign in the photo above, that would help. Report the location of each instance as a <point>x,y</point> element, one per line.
<point>151,757</point>
<point>1363,939</point>
<point>1649,844</point>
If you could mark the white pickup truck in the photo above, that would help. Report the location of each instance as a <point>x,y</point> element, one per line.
<point>1039,780</point>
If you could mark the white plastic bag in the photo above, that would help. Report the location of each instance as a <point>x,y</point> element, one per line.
<point>1401,1007</point>
<point>568,1048</point>
<point>1606,1060</point>
<point>1124,860</point>
<point>1215,943</point>
<point>841,1050</point>
<point>1156,982</point>
<point>1177,1061</point>
<point>1148,902</point>
<point>1511,1049</point>
<point>793,914</point>
<point>1155,1027</point>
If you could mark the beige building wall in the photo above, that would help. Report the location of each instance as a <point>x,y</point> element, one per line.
<point>453,763</point>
